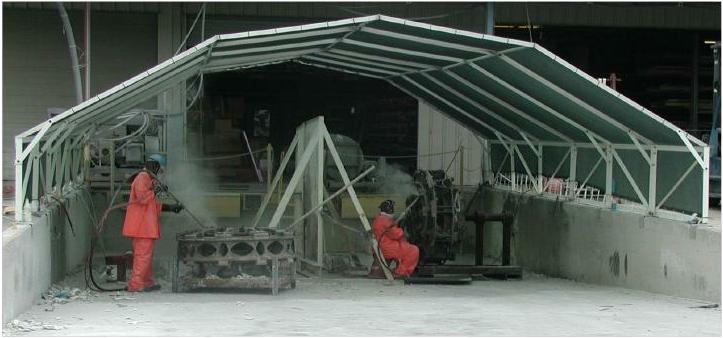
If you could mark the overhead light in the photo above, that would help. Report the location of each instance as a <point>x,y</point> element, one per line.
<point>709,42</point>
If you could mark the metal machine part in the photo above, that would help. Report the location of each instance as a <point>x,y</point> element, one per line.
<point>350,154</point>
<point>433,223</point>
<point>235,258</point>
<point>436,226</point>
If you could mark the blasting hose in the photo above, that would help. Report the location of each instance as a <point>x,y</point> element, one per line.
<point>89,267</point>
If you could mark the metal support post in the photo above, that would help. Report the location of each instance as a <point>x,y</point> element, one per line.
<point>112,169</point>
<point>36,181</point>
<point>513,174</point>
<point>319,199</point>
<point>572,176</point>
<point>269,166</point>
<point>20,186</point>
<point>487,159</point>
<point>293,183</point>
<point>86,163</point>
<point>539,170</point>
<point>693,127</point>
<point>653,181</point>
<point>479,232</point>
<point>490,21</point>
<point>706,180</point>
<point>608,175</point>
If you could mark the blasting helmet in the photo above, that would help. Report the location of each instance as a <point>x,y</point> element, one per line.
<point>161,159</point>
<point>387,207</point>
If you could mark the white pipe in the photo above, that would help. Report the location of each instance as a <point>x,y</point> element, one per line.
<point>73,54</point>
<point>87,50</point>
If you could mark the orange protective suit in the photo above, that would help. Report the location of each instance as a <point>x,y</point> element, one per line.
<point>143,227</point>
<point>394,245</point>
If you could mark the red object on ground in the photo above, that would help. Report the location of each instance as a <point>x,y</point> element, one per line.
<point>555,185</point>
<point>8,190</point>
<point>142,216</point>
<point>142,276</point>
<point>394,246</point>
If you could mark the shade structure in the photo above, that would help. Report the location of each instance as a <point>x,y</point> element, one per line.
<point>515,93</point>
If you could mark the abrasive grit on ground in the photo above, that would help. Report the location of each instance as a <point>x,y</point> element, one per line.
<point>533,306</point>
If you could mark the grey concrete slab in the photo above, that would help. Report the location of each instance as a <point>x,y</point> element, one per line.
<point>533,306</point>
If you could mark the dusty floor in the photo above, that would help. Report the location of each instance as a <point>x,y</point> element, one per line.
<point>536,306</point>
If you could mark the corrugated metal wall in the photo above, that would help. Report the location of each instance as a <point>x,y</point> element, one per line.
<point>440,139</point>
<point>37,70</point>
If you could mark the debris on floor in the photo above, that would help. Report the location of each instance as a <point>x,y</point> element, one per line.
<point>58,294</point>
<point>18,325</point>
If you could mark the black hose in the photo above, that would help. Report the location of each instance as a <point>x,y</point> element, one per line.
<point>96,237</point>
<point>65,211</point>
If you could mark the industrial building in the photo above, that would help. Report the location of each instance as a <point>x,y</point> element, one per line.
<point>544,168</point>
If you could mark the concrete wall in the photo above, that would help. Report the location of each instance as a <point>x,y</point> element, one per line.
<point>607,247</point>
<point>36,63</point>
<point>36,255</point>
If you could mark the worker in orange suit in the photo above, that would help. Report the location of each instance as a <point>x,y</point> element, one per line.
<point>142,222</point>
<point>392,241</point>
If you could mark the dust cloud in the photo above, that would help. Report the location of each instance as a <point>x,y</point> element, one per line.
<point>395,181</point>
<point>190,182</point>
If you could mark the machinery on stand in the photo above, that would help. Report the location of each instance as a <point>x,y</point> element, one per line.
<point>265,253</point>
<point>435,224</point>
<point>432,224</point>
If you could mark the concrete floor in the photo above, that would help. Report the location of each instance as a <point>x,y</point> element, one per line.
<point>534,306</point>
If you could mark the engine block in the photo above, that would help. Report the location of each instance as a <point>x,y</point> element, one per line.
<point>235,257</point>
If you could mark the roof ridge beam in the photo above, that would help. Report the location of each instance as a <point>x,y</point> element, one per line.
<point>346,36</point>
<point>254,64</point>
<point>274,48</point>
<point>226,42</point>
<point>233,62</point>
<point>573,98</point>
<point>417,39</point>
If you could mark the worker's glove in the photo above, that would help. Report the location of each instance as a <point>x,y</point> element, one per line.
<point>176,208</point>
<point>159,187</point>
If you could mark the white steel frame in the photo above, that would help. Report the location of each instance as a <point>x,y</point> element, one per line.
<point>59,140</point>
<point>314,146</point>
<point>609,155</point>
